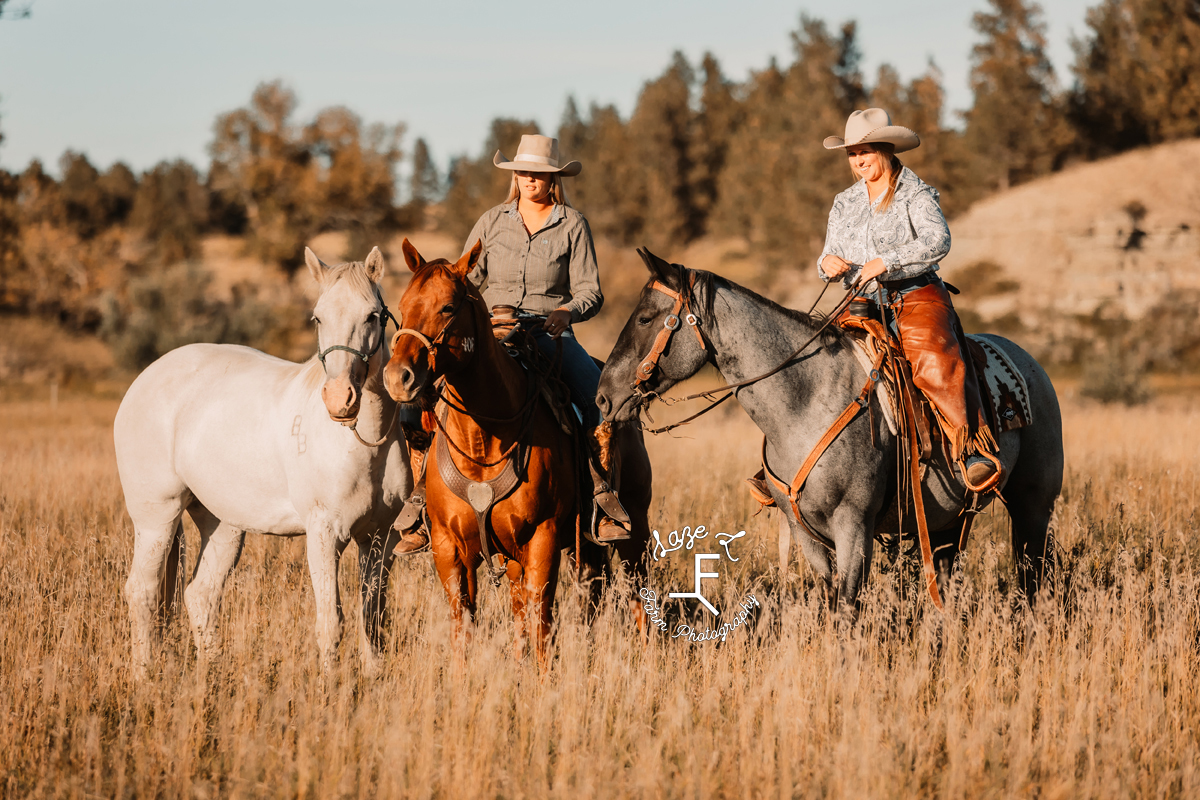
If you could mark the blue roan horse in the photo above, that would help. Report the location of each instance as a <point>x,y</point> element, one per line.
<point>847,496</point>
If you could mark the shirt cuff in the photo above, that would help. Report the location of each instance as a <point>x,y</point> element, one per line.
<point>891,261</point>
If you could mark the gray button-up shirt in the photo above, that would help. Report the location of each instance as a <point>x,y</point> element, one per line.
<point>554,268</point>
<point>911,236</point>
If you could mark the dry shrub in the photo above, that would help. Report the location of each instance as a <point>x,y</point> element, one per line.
<point>1092,693</point>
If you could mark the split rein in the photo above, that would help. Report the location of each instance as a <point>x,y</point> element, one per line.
<point>671,324</point>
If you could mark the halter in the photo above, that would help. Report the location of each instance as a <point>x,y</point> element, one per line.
<point>366,357</point>
<point>671,324</point>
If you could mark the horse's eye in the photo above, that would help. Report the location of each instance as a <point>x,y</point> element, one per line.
<point>645,320</point>
<point>447,309</point>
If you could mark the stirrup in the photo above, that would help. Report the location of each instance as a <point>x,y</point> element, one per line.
<point>991,481</point>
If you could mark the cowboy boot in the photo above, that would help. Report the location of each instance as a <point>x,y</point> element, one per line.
<point>614,526</point>
<point>410,524</point>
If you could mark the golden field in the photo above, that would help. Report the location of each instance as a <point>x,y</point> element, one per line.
<point>1091,694</point>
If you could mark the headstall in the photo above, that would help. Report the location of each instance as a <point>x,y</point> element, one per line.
<point>671,324</point>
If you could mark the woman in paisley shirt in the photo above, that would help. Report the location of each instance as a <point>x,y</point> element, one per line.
<point>539,259</point>
<point>887,233</point>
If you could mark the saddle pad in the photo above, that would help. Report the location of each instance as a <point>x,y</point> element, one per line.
<point>865,353</point>
<point>1006,387</point>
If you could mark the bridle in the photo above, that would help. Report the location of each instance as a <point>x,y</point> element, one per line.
<point>671,324</point>
<point>430,345</point>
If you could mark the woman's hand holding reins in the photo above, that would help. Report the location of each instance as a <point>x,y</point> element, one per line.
<point>834,266</point>
<point>871,270</point>
<point>557,321</point>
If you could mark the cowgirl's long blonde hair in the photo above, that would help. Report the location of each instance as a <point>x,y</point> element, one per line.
<point>558,192</point>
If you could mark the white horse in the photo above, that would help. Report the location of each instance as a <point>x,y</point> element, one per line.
<point>248,442</point>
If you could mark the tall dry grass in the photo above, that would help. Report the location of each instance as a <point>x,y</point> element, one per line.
<point>1093,693</point>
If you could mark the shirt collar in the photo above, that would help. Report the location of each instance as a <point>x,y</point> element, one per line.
<point>511,210</point>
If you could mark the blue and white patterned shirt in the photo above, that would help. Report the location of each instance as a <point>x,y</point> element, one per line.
<point>911,236</point>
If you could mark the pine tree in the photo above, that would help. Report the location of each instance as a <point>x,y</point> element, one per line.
<point>660,131</point>
<point>1137,75</point>
<point>1016,127</point>
<point>715,124</point>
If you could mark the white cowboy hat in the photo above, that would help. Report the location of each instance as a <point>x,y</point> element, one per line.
<point>874,125</point>
<point>537,154</point>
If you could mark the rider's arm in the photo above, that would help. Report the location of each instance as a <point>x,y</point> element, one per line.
<point>586,297</point>
<point>932,241</point>
<point>833,232</point>
<point>478,275</point>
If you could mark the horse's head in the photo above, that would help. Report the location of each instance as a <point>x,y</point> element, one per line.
<point>660,345</point>
<point>444,320</point>
<point>350,316</point>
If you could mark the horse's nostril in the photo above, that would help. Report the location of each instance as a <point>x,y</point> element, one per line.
<point>602,403</point>
<point>407,378</point>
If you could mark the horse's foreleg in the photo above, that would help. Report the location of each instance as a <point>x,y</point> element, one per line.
<point>374,567</point>
<point>517,594</point>
<point>324,549</point>
<point>540,581</point>
<point>457,580</point>
<point>854,549</point>
<point>220,549</point>
<point>818,558</point>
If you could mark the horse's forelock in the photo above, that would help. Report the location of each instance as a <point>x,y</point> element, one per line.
<point>354,273</point>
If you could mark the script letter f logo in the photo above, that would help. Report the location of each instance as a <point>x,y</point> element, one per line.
<point>701,574</point>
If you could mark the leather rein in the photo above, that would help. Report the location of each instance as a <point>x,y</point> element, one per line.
<point>671,324</point>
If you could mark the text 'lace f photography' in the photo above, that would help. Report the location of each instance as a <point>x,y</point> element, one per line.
<point>731,620</point>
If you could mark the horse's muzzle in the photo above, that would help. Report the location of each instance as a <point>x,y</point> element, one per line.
<point>341,398</point>
<point>402,382</point>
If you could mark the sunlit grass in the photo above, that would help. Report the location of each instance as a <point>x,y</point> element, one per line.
<point>1090,694</point>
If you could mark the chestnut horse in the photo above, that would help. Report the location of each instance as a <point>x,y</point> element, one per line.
<point>494,417</point>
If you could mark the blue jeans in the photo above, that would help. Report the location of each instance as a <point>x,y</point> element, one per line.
<point>579,372</point>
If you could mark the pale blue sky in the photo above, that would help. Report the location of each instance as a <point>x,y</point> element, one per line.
<point>142,80</point>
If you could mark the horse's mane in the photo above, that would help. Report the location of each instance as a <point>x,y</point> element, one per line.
<point>703,294</point>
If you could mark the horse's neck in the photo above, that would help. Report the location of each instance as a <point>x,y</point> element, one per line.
<point>750,339</point>
<point>490,383</point>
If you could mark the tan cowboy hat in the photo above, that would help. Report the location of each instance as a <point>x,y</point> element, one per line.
<point>537,154</point>
<point>874,125</point>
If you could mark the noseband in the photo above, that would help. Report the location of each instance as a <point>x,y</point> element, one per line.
<point>366,357</point>
<point>671,324</point>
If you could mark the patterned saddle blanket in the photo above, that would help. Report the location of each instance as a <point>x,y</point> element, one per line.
<point>1000,382</point>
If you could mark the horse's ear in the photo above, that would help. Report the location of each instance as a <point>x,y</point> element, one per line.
<point>316,267</point>
<point>411,256</point>
<point>666,273</point>
<point>374,264</point>
<point>464,265</point>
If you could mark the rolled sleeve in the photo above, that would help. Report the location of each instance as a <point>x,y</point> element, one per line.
<point>586,297</point>
<point>932,235</point>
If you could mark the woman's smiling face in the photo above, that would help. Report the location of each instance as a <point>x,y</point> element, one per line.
<point>867,162</point>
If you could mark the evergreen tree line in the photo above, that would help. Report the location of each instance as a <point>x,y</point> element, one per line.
<point>699,155</point>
